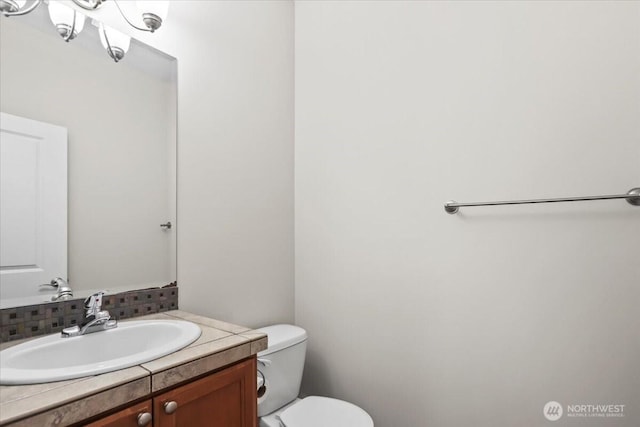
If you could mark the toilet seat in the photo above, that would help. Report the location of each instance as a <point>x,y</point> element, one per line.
<point>315,411</point>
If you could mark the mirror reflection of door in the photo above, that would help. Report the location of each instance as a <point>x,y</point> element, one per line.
<point>33,205</point>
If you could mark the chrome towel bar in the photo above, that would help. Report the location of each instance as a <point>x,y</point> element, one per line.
<point>632,197</point>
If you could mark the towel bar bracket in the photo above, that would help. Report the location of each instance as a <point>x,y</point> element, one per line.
<point>635,197</point>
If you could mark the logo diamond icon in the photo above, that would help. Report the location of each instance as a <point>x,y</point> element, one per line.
<point>552,411</point>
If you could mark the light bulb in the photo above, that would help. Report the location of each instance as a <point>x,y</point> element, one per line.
<point>116,43</point>
<point>63,17</point>
<point>154,12</point>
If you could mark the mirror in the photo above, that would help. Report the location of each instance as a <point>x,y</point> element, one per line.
<point>121,152</point>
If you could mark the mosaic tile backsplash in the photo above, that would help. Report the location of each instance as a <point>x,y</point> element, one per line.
<point>41,319</point>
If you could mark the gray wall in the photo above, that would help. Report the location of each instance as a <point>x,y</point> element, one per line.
<point>235,163</point>
<point>478,319</point>
<point>235,157</point>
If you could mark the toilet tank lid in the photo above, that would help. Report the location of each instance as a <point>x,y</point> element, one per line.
<point>282,336</point>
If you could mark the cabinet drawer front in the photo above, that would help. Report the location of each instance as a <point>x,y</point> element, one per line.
<point>224,399</point>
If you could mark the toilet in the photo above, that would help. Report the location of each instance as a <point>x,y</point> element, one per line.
<point>280,369</point>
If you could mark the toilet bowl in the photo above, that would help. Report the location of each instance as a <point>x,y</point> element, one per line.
<point>280,369</point>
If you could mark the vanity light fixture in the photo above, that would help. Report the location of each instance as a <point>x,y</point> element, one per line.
<point>17,7</point>
<point>69,22</point>
<point>116,43</point>
<point>153,12</point>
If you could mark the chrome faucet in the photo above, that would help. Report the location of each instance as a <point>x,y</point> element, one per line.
<point>95,319</point>
<point>64,290</point>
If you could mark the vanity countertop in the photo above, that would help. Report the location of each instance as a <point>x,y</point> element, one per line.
<point>68,402</point>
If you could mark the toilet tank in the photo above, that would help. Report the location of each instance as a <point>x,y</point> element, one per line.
<point>280,366</point>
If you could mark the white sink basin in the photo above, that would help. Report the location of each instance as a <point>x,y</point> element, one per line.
<point>53,358</point>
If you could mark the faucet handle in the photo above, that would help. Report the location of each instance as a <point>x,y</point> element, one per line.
<point>56,283</point>
<point>93,303</point>
<point>53,284</point>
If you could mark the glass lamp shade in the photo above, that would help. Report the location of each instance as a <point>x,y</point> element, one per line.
<point>154,12</point>
<point>160,8</point>
<point>116,43</point>
<point>11,6</point>
<point>62,17</point>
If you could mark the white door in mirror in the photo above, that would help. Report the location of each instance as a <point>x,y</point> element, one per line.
<point>33,205</point>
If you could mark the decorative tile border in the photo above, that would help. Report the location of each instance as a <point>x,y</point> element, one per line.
<point>41,319</point>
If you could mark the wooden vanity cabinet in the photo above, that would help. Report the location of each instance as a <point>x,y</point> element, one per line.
<point>226,398</point>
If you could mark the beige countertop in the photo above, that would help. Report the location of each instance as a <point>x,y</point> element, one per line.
<point>67,402</point>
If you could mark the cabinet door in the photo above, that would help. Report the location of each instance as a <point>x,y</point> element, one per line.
<point>224,399</point>
<point>133,416</point>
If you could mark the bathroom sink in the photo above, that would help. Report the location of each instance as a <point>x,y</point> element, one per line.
<point>53,358</point>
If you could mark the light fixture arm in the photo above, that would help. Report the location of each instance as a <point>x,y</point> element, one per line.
<point>150,30</point>
<point>109,48</point>
<point>94,4</point>
<point>24,11</point>
<point>88,4</point>
<point>73,27</point>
